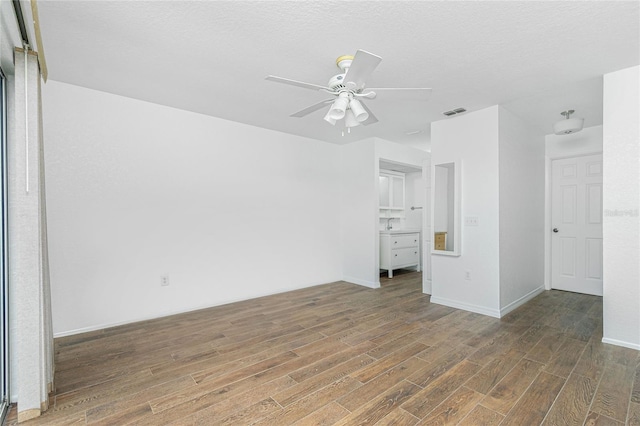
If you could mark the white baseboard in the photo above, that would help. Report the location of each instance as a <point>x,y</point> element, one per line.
<point>466,306</point>
<point>370,284</point>
<point>621,343</point>
<point>177,312</point>
<point>426,287</point>
<point>524,299</point>
<point>119,323</point>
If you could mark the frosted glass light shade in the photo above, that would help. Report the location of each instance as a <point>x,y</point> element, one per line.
<point>350,120</point>
<point>571,125</point>
<point>359,112</point>
<point>339,108</point>
<point>328,118</point>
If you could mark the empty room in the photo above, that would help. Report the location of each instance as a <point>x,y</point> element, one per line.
<point>320,212</point>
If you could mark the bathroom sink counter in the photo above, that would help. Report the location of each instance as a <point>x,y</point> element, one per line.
<point>399,231</point>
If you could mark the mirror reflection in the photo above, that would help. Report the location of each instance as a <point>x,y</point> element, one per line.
<point>444,207</point>
<point>384,191</point>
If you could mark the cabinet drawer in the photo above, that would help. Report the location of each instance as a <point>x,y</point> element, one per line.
<point>405,256</point>
<point>405,240</point>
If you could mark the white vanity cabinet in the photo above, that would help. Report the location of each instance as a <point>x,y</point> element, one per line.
<point>399,249</point>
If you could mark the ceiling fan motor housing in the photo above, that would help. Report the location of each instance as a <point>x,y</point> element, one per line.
<point>344,62</point>
<point>337,82</point>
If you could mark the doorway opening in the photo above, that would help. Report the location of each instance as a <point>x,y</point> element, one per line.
<point>401,209</point>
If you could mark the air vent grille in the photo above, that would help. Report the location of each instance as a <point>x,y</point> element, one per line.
<point>454,112</point>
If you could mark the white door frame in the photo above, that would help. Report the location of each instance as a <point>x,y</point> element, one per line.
<point>422,168</point>
<point>547,211</point>
<point>426,228</point>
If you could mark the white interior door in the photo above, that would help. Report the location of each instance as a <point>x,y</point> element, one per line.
<point>576,218</point>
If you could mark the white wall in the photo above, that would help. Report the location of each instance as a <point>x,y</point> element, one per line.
<point>472,140</point>
<point>502,165</point>
<point>358,213</point>
<point>399,153</point>
<point>587,141</point>
<point>228,211</point>
<point>621,202</point>
<point>137,190</point>
<point>522,171</point>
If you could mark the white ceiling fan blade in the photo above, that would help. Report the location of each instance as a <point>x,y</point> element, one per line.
<point>403,93</point>
<point>361,68</point>
<point>368,95</point>
<point>372,118</point>
<point>296,83</point>
<point>312,108</point>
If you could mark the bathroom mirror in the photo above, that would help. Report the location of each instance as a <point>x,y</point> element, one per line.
<point>384,191</point>
<point>446,209</point>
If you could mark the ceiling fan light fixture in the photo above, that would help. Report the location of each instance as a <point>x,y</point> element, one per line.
<point>339,107</point>
<point>350,119</point>
<point>568,125</point>
<point>358,111</point>
<point>348,85</point>
<point>328,118</point>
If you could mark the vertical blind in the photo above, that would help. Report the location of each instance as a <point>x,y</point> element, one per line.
<point>32,343</point>
<point>4,295</point>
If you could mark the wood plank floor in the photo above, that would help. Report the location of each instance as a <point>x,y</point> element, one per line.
<point>347,355</point>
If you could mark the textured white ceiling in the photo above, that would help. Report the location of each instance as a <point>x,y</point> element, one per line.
<point>536,58</point>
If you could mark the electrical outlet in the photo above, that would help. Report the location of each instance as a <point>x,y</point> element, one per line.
<point>164,280</point>
<point>467,275</point>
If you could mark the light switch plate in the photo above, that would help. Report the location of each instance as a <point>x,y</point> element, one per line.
<point>471,221</point>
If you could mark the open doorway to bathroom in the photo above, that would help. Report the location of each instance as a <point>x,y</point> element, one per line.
<point>402,206</point>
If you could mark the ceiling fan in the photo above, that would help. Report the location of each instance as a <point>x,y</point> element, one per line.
<point>348,88</point>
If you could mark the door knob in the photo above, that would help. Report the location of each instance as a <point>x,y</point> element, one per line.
<point>555,230</point>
